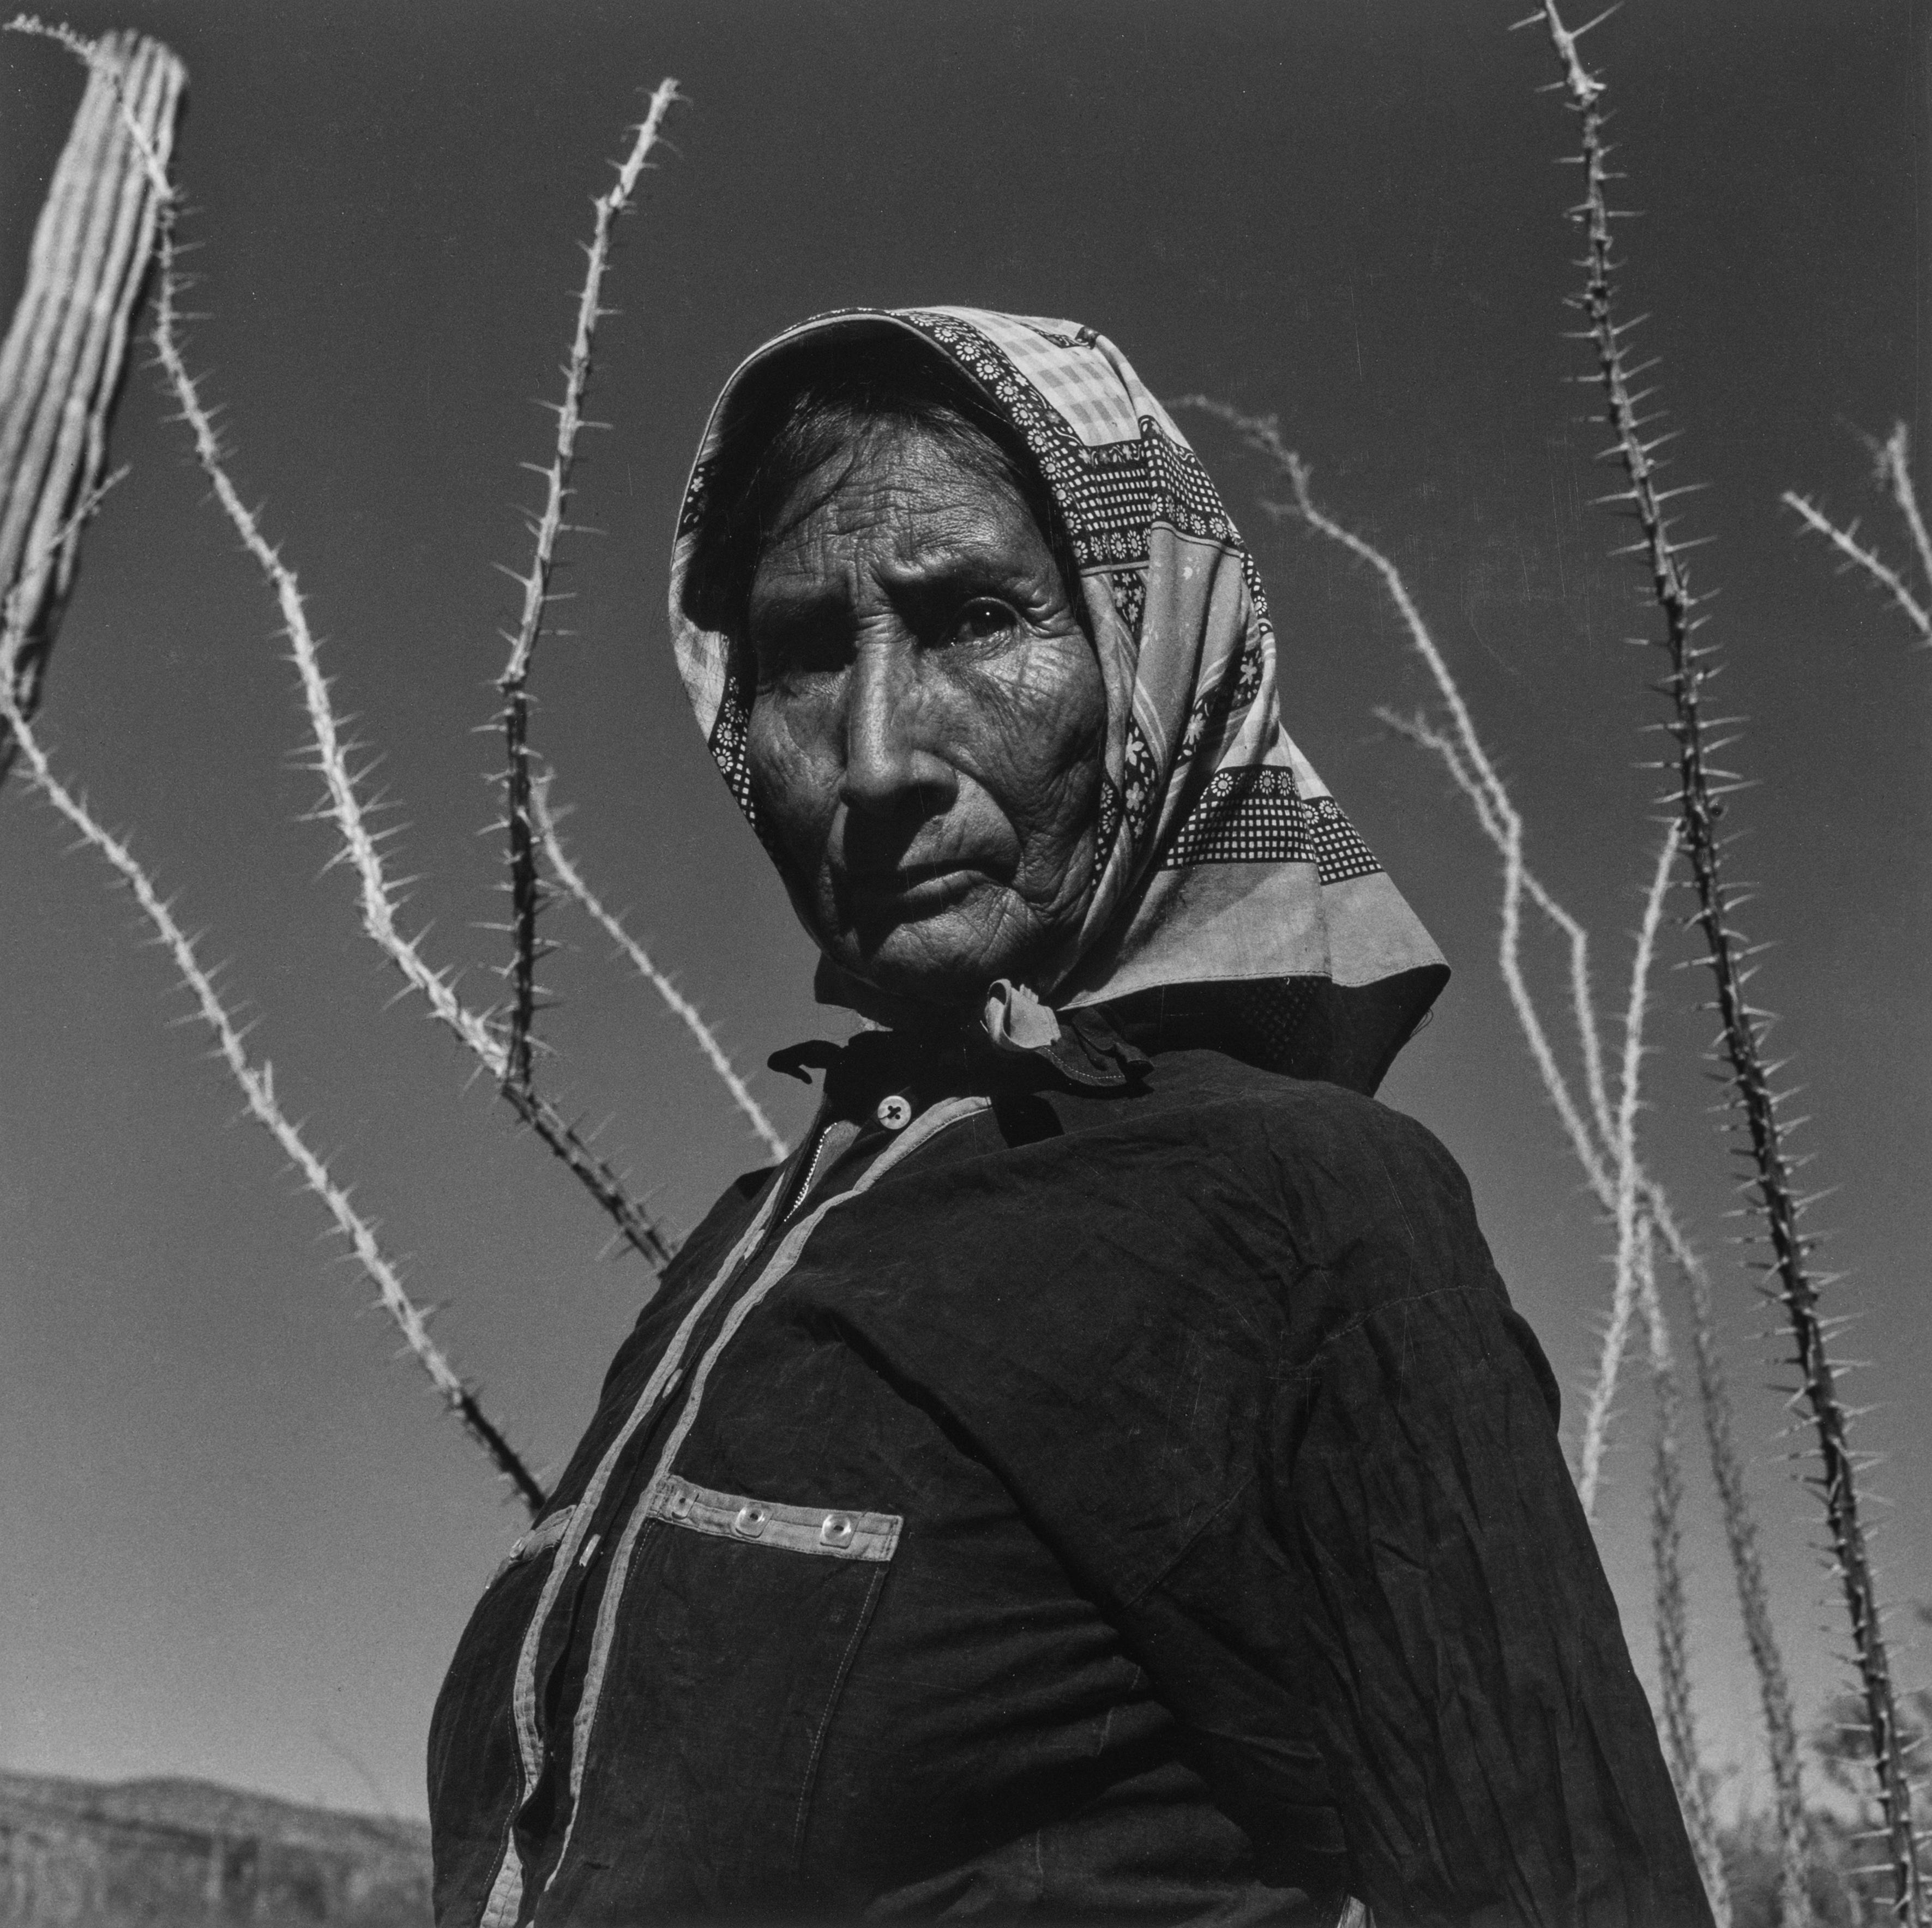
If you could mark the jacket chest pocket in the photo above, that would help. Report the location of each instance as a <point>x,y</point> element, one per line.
<point>739,1622</point>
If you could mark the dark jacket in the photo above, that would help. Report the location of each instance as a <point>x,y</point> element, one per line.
<point>1129,1503</point>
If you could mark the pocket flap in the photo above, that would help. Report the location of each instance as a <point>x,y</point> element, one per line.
<point>833,1531</point>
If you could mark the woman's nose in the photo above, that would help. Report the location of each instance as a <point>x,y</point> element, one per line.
<point>889,769</point>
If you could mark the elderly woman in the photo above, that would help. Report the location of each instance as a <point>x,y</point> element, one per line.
<point>1099,1477</point>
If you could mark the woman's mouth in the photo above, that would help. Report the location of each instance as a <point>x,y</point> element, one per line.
<point>911,888</point>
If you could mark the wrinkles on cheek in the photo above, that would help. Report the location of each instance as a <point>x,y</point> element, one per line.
<point>1038,744</point>
<point>794,775</point>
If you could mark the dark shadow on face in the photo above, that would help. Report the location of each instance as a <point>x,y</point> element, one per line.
<point>929,721</point>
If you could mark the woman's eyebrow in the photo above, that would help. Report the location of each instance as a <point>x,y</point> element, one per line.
<point>782,596</point>
<point>933,569</point>
<point>917,581</point>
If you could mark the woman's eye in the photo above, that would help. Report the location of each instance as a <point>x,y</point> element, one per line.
<point>799,648</point>
<point>984,619</point>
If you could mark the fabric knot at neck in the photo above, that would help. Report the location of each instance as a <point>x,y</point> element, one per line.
<point>1082,1044</point>
<point>1015,1020</point>
<point>1016,1043</point>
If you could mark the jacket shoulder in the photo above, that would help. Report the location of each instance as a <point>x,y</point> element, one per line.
<point>1326,1131</point>
<point>1376,1212</point>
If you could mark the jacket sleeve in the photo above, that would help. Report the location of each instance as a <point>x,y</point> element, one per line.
<point>1406,1590</point>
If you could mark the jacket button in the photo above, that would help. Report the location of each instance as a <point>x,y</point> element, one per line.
<point>894,1113</point>
<point>836,1532</point>
<point>751,1520</point>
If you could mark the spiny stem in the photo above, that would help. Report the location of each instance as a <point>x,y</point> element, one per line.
<point>1727,1464</point>
<point>343,805</point>
<point>566,873</point>
<point>526,894</point>
<point>1742,1038</point>
<point>1633,1241</point>
<point>1740,1519</point>
<point>1666,1544</point>
<point>141,84</point>
<point>1846,541</point>
<point>1474,773</point>
<point>1501,825</point>
<point>525,885</point>
<point>1893,467</point>
<point>378,902</point>
<point>257,1082</point>
<point>1894,470</point>
<point>1468,762</point>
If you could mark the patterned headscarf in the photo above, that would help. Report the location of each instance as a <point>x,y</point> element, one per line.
<point>1227,879</point>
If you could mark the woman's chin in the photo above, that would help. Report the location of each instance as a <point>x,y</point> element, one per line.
<point>943,962</point>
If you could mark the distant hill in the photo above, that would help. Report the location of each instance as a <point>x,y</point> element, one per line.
<point>178,1854</point>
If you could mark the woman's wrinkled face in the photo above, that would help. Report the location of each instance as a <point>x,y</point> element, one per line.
<point>928,724</point>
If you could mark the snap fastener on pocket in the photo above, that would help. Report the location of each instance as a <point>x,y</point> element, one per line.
<point>836,1532</point>
<point>751,1520</point>
<point>894,1113</point>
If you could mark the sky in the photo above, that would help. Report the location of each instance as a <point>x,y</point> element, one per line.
<point>242,1539</point>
